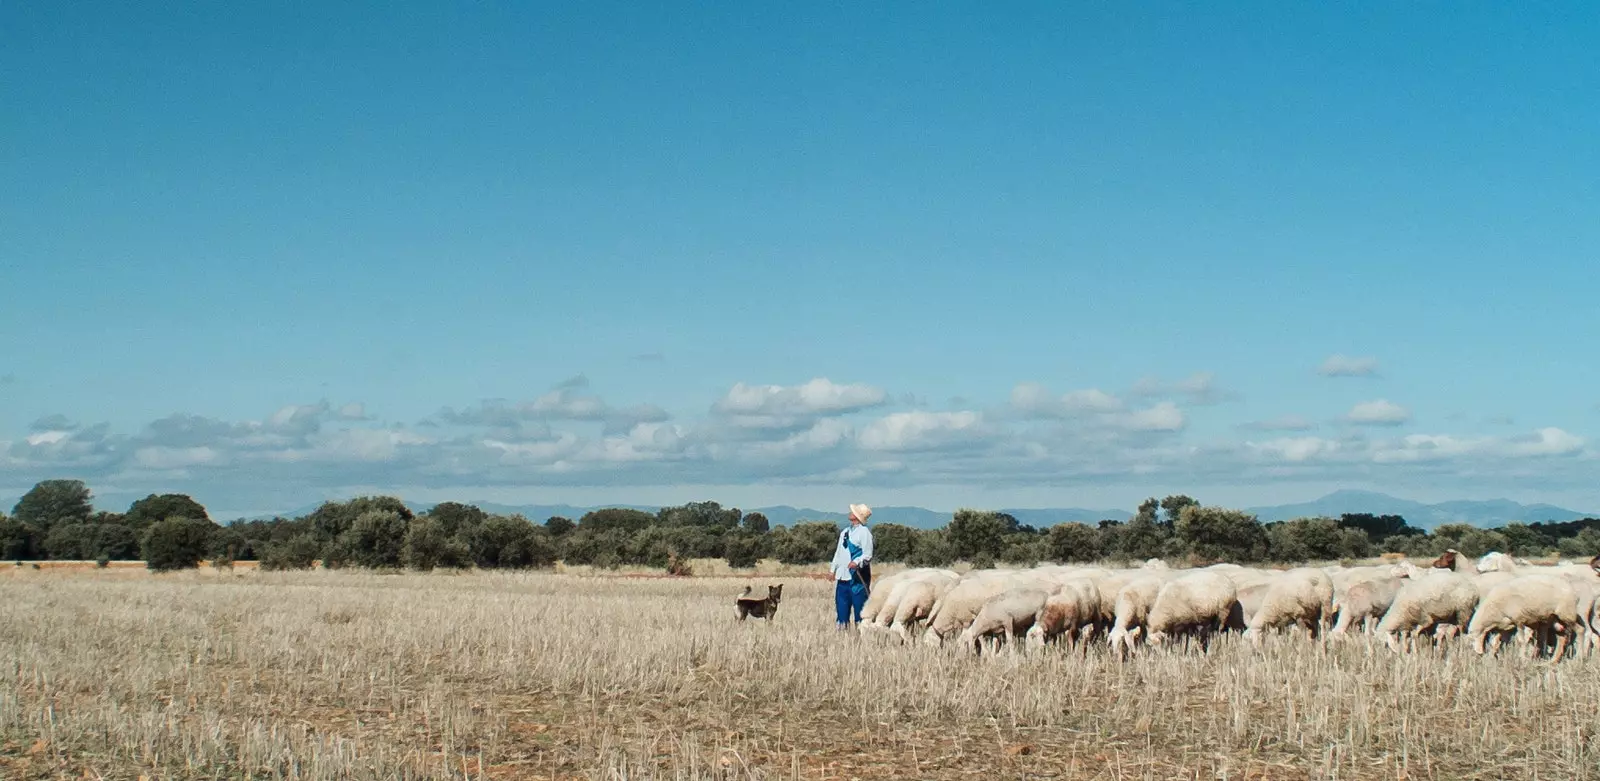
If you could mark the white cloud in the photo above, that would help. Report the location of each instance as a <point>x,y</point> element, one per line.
<point>1031,398</point>
<point>1379,412</point>
<point>1346,366</point>
<point>1296,449</point>
<point>818,397</point>
<point>793,407</point>
<point>903,431</point>
<point>1162,417</point>
<point>832,435</point>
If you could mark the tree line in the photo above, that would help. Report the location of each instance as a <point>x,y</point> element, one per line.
<point>57,520</point>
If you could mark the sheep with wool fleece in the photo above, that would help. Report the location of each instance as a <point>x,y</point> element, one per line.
<point>1429,598</point>
<point>1074,611</point>
<point>1010,614</point>
<point>957,608</point>
<point>1132,609</point>
<point>1534,602</point>
<point>1198,602</point>
<point>1303,596</point>
<point>916,604</point>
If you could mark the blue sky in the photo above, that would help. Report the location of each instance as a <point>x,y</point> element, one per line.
<point>268,254</point>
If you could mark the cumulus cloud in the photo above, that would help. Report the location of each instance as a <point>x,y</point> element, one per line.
<point>1378,412</point>
<point>1338,365</point>
<point>786,406</point>
<point>1031,398</point>
<point>562,403</point>
<point>903,431</point>
<point>832,434</point>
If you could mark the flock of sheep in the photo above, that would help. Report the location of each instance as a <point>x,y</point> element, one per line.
<point>1496,598</point>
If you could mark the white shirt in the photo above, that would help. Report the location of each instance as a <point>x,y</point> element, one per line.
<point>862,537</point>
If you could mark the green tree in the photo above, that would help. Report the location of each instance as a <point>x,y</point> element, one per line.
<point>978,532</point>
<point>808,542</point>
<point>1584,544</point>
<point>932,549</point>
<point>375,539</point>
<point>1142,537</point>
<point>1220,534</point>
<point>1469,540</point>
<point>743,550</point>
<point>1074,542</point>
<point>92,542</point>
<point>756,523</point>
<point>1524,540</point>
<point>454,518</point>
<point>503,541</point>
<point>52,502</point>
<point>1316,539</point>
<point>18,540</point>
<point>616,518</point>
<point>297,552</point>
<point>429,544</point>
<point>1379,527</point>
<point>892,542</point>
<point>1025,549</point>
<point>144,512</point>
<point>333,519</point>
<point>559,526</point>
<point>1172,508</point>
<point>706,514</point>
<point>176,543</point>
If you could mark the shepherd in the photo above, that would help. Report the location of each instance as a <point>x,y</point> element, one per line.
<point>852,567</point>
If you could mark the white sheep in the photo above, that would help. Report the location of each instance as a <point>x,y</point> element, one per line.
<point>883,589</point>
<point>1366,601</point>
<point>957,608</point>
<point>1198,603</point>
<point>1536,602</point>
<point>1072,611</point>
<point>1009,614</point>
<point>916,604</point>
<point>1303,596</point>
<point>1132,609</point>
<point>1430,598</point>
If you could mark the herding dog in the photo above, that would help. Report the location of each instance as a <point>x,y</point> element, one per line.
<point>760,607</point>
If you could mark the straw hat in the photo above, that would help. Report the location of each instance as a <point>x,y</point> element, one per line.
<point>861,512</point>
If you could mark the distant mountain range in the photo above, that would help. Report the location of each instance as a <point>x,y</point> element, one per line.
<point>1485,513</point>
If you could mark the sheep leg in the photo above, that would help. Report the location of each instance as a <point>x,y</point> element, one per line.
<point>1563,639</point>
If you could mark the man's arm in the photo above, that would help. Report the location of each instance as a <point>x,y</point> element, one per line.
<point>866,545</point>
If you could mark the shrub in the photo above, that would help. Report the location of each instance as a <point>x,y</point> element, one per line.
<point>742,551</point>
<point>176,543</point>
<point>297,552</point>
<point>428,544</point>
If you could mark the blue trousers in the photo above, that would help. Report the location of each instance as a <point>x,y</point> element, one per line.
<point>849,596</point>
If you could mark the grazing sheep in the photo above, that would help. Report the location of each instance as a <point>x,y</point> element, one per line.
<point>1430,598</point>
<point>1536,602</point>
<point>916,604</point>
<point>1009,614</point>
<point>883,589</point>
<point>1073,611</point>
<point>1132,609</point>
<point>1303,596</point>
<point>1198,603</point>
<point>1366,601</point>
<point>960,606</point>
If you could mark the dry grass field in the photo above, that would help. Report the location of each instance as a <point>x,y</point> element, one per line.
<point>118,674</point>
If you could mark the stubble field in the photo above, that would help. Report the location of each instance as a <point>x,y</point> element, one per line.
<point>118,674</point>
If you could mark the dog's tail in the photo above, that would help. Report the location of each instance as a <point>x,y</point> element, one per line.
<point>746,592</point>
